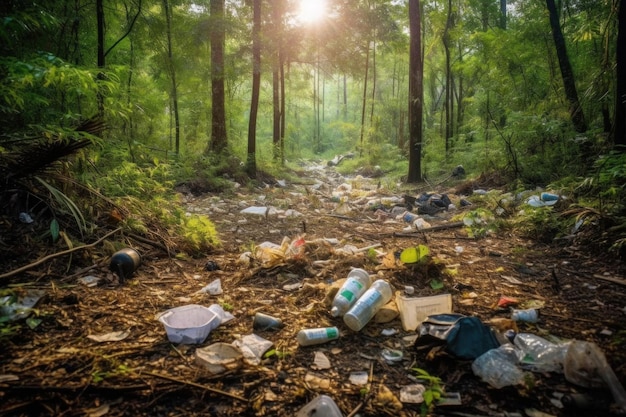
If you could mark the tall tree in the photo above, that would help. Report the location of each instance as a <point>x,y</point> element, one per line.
<point>619,131</point>
<point>219,136</point>
<point>277,20</point>
<point>256,87</point>
<point>576,112</point>
<point>416,92</point>
<point>171,69</point>
<point>448,104</point>
<point>100,52</point>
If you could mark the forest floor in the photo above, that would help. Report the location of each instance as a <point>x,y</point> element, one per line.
<point>100,350</point>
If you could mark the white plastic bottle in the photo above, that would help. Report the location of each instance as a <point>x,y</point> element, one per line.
<point>308,337</point>
<point>356,284</point>
<point>366,307</point>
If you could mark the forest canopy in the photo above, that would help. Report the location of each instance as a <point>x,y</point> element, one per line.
<point>195,90</point>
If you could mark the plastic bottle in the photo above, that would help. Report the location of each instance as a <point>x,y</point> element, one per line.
<point>308,337</point>
<point>356,284</point>
<point>125,262</point>
<point>529,316</point>
<point>367,305</point>
<point>539,354</point>
<point>498,367</point>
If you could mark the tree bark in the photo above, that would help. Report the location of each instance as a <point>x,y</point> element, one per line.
<point>364,103</point>
<point>100,53</point>
<point>256,86</point>
<point>619,130</point>
<point>172,73</point>
<point>569,83</point>
<point>416,92</point>
<point>219,135</point>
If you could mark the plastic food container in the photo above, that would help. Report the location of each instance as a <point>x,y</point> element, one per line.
<point>190,324</point>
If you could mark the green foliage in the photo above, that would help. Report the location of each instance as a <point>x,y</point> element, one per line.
<point>148,194</point>
<point>434,390</point>
<point>480,223</point>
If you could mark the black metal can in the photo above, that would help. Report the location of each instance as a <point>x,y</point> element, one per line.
<point>124,263</point>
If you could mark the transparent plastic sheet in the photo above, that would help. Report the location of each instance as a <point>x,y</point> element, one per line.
<point>498,367</point>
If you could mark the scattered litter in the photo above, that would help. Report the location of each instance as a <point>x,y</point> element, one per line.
<point>214,288</point>
<point>392,356</point>
<point>413,310</point>
<point>252,347</point>
<point>20,308</point>
<point>109,337</point>
<point>259,211</point>
<point>412,394</point>
<point>322,405</point>
<point>359,378</point>
<point>320,361</point>
<point>89,281</point>
<point>388,332</point>
<point>263,322</point>
<point>189,324</point>
<point>219,357</point>
<point>25,218</point>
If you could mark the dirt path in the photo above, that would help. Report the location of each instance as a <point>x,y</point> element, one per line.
<point>57,369</point>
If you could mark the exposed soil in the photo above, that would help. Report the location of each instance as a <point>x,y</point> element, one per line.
<point>55,369</point>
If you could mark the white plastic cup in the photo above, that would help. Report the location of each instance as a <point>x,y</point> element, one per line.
<point>368,305</point>
<point>316,336</point>
<point>356,284</point>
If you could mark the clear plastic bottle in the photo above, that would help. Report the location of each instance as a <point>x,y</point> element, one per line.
<point>308,337</point>
<point>356,284</point>
<point>368,304</point>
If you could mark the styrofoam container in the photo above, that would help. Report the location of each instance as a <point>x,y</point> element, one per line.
<point>219,357</point>
<point>189,324</point>
<point>414,310</point>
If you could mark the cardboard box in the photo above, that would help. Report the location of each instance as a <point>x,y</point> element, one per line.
<point>413,310</point>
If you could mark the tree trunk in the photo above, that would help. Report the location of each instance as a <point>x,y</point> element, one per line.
<point>256,86</point>
<point>363,104</point>
<point>373,82</point>
<point>503,14</point>
<point>100,53</point>
<point>416,92</point>
<point>619,130</point>
<point>219,135</point>
<point>569,83</point>
<point>448,86</point>
<point>172,72</point>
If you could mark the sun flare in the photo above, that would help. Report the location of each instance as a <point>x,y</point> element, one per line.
<point>311,11</point>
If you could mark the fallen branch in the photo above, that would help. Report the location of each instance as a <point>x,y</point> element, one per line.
<point>193,384</point>
<point>610,279</point>
<point>56,255</point>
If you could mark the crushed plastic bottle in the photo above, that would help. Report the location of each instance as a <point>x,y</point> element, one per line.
<point>357,282</point>
<point>368,305</point>
<point>498,367</point>
<point>539,354</point>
